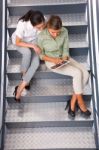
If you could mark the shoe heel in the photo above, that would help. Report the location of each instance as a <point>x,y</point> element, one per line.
<point>70,112</point>
<point>86,114</point>
<point>67,105</point>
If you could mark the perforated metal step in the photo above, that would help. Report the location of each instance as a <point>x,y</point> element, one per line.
<point>15,64</point>
<point>49,138</point>
<point>76,41</point>
<point>44,114</point>
<point>19,3</point>
<point>47,87</point>
<point>67,19</point>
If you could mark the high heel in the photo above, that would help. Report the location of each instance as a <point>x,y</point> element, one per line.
<point>27,87</point>
<point>14,93</point>
<point>67,104</point>
<point>86,113</point>
<point>71,112</point>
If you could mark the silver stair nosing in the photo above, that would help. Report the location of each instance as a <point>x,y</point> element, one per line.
<point>45,99</point>
<point>49,138</point>
<point>44,124</point>
<point>45,3</point>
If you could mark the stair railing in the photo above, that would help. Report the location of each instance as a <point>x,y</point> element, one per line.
<point>3,72</point>
<point>94,60</point>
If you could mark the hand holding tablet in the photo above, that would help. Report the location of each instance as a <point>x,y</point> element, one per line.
<point>65,62</point>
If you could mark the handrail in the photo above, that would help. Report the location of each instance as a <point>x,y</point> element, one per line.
<point>3,73</point>
<point>2,61</point>
<point>93,57</point>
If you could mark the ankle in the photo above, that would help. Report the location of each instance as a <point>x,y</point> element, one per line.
<point>72,104</point>
<point>82,107</point>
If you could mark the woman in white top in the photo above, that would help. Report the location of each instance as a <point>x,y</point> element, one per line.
<point>24,38</point>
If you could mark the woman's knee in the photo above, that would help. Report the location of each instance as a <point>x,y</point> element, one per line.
<point>36,61</point>
<point>27,53</point>
<point>77,73</point>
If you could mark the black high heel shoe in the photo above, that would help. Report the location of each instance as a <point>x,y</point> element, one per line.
<point>27,87</point>
<point>67,105</point>
<point>71,112</point>
<point>14,93</point>
<point>86,113</point>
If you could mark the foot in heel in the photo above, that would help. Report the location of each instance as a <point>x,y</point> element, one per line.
<point>28,87</point>
<point>15,93</point>
<point>86,113</point>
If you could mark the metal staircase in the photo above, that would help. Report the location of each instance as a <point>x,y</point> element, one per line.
<point>40,120</point>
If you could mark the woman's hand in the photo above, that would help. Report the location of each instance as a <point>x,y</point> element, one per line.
<point>57,60</point>
<point>21,43</point>
<point>65,58</point>
<point>36,49</point>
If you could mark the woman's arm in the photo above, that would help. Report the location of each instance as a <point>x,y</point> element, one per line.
<point>19,42</point>
<point>51,59</point>
<point>65,45</point>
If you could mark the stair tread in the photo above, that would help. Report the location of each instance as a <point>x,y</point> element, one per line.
<point>17,3</point>
<point>67,19</point>
<point>47,87</point>
<point>48,138</point>
<point>15,64</point>
<point>40,112</point>
<point>76,41</point>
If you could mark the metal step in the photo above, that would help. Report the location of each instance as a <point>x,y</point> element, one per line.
<point>77,19</point>
<point>57,8</point>
<point>47,90</point>
<point>18,3</point>
<point>13,53</point>
<point>73,30</point>
<point>76,41</point>
<point>44,115</point>
<point>50,138</point>
<point>14,72</point>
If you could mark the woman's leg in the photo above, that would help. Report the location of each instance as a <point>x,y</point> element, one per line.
<point>85,74</point>
<point>28,75</point>
<point>81,102</point>
<point>73,102</point>
<point>26,58</point>
<point>32,69</point>
<point>72,71</point>
<point>20,89</point>
<point>77,74</point>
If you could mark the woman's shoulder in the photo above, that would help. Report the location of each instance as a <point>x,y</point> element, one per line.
<point>43,33</point>
<point>64,30</point>
<point>21,24</point>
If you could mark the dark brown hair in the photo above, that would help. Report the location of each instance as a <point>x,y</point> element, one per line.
<point>54,22</point>
<point>35,17</point>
